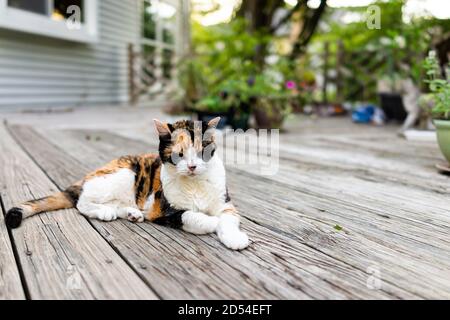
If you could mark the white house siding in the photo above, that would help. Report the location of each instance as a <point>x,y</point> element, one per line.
<point>40,71</point>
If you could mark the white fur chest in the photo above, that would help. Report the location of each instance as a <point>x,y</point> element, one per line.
<point>203,193</point>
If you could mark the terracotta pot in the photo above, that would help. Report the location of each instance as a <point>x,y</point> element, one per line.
<point>269,116</point>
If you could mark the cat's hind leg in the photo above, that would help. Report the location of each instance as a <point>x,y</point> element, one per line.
<point>110,196</point>
<point>98,211</point>
<point>105,212</point>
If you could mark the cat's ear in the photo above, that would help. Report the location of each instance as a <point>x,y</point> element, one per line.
<point>162,128</point>
<point>213,123</point>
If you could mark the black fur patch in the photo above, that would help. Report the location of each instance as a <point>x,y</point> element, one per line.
<point>171,216</point>
<point>13,218</point>
<point>135,165</point>
<point>165,142</point>
<point>158,194</point>
<point>73,194</point>
<point>139,181</point>
<point>150,169</point>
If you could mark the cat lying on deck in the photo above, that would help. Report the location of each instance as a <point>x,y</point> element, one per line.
<point>183,186</point>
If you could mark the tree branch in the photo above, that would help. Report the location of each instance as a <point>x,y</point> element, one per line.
<point>287,17</point>
<point>310,25</point>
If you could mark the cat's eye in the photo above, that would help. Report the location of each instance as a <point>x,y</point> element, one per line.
<point>180,154</point>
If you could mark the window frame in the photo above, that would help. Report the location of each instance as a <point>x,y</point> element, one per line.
<point>34,23</point>
<point>158,42</point>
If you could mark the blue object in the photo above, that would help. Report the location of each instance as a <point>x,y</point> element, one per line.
<point>363,114</point>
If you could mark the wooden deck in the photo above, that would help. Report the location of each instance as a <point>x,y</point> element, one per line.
<point>354,213</point>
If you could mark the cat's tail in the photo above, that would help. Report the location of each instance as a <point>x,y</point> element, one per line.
<point>61,200</point>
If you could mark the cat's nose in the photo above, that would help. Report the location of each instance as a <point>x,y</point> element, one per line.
<point>192,168</point>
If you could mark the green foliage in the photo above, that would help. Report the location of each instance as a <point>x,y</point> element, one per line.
<point>149,25</point>
<point>395,50</point>
<point>224,61</point>
<point>225,51</point>
<point>213,104</point>
<point>440,88</point>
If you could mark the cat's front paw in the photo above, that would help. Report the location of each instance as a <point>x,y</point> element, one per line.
<point>106,214</point>
<point>131,214</point>
<point>134,215</point>
<point>235,240</point>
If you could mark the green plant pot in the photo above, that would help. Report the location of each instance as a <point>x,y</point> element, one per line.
<point>443,136</point>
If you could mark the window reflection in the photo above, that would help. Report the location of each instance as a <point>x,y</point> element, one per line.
<point>35,6</point>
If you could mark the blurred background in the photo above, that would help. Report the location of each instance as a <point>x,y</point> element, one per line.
<point>254,62</point>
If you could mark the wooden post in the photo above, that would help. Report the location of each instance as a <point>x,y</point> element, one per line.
<point>326,55</point>
<point>133,92</point>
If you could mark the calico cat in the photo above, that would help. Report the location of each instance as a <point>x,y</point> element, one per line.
<point>183,186</point>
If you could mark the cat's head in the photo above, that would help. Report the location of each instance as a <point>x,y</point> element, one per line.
<point>187,146</point>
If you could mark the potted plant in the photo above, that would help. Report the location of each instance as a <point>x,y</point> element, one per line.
<point>440,90</point>
<point>236,94</point>
<point>214,106</point>
<point>273,103</point>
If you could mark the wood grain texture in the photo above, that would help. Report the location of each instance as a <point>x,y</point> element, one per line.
<point>387,198</point>
<point>181,265</point>
<point>388,225</point>
<point>10,283</point>
<point>61,255</point>
<point>272,250</point>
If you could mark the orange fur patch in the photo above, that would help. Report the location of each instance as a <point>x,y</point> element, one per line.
<point>54,202</point>
<point>155,212</point>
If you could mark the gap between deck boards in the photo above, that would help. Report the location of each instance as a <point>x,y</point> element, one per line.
<point>14,273</point>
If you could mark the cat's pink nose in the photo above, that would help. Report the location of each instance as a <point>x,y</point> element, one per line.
<point>192,168</point>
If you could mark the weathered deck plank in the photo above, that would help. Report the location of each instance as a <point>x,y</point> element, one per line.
<point>10,283</point>
<point>391,204</point>
<point>168,259</point>
<point>61,255</point>
<point>366,236</point>
<point>287,269</point>
<point>389,166</point>
<point>356,281</point>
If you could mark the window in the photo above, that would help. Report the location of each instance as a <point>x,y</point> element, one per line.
<point>167,63</point>
<point>67,19</point>
<point>149,23</point>
<point>159,26</point>
<point>36,6</point>
<point>55,9</point>
<point>61,9</point>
